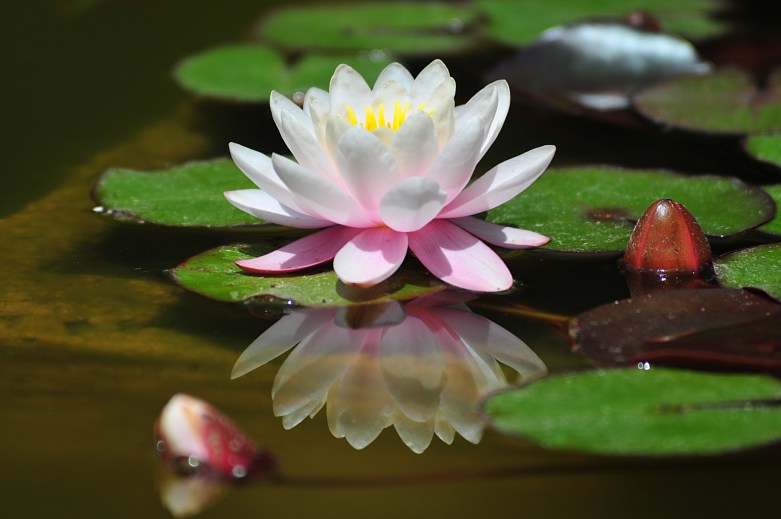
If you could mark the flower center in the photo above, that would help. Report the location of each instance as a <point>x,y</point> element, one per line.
<point>376,119</point>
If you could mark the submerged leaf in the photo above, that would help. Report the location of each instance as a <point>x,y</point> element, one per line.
<point>594,209</point>
<point>726,102</point>
<point>189,195</point>
<point>402,27</point>
<point>702,328</point>
<point>629,411</point>
<point>214,274</point>
<point>599,65</point>
<point>250,72</point>
<point>758,267</point>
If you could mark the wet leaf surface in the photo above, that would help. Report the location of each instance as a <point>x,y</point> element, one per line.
<point>594,209</point>
<point>250,72</point>
<point>402,27</point>
<point>659,412</point>
<point>758,267</point>
<point>774,225</point>
<point>598,65</point>
<point>710,328</point>
<point>190,195</point>
<point>215,275</point>
<point>725,102</point>
<point>520,21</point>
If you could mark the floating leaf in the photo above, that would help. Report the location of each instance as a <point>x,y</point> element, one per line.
<point>758,267</point>
<point>189,195</point>
<point>598,64</point>
<point>214,274</point>
<point>520,21</point>
<point>725,102</point>
<point>774,225</point>
<point>765,147</point>
<point>629,411</point>
<point>594,209</point>
<point>402,27</point>
<point>251,72</point>
<point>699,328</point>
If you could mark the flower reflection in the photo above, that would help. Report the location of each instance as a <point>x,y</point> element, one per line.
<point>421,367</point>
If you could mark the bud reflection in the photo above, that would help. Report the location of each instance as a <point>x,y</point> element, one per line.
<point>421,367</point>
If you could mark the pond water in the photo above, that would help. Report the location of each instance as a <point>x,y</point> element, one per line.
<point>96,338</point>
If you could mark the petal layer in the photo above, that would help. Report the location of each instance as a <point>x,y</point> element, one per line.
<point>262,205</point>
<point>371,256</point>
<point>501,235</point>
<point>411,204</point>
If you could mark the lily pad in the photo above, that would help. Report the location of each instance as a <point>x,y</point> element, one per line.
<point>758,267</point>
<point>189,195</point>
<point>726,102</point>
<point>214,274</point>
<point>401,27</point>
<point>702,328</point>
<point>594,209</point>
<point>774,225</point>
<point>517,22</point>
<point>250,72</point>
<point>658,412</point>
<point>766,148</point>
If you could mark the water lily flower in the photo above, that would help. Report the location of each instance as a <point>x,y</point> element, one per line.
<point>385,169</point>
<point>421,368</point>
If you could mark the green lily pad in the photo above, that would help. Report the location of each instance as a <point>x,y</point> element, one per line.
<point>594,209</point>
<point>766,148</point>
<point>657,412</point>
<point>189,195</point>
<point>725,102</point>
<point>521,21</point>
<point>774,225</point>
<point>214,274</point>
<point>250,72</point>
<point>758,267</point>
<point>401,27</point>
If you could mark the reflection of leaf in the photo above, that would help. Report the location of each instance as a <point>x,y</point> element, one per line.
<point>711,327</point>
<point>403,27</point>
<point>189,195</point>
<point>630,411</point>
<point>520,21</point>
<point>724,102</point>
<point>589,209</point>
<point>214,274</point>
<point>758,267</point>
<point>250,72</point>
<point>598,64</point>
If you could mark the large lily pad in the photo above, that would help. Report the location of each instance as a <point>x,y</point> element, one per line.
<point>774,225</point>
<point>629,411</point>
<point>401,27</point>
<point>189,195</point>
<point>758,267</point>
<point>250,72</point>
<point>520,21</point>
<point>711,328</point>
<point>594,209</point>
<point>726,102</point>
<point>766,148</point>
<point>214,274</point>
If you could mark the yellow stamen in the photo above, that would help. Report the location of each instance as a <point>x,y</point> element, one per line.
<point>377,119</point>
<point>371,120</point>
<point>351,115</point>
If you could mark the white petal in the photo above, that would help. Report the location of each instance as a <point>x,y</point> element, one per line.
<point>415,145</point>
<point>371,257</point>
<point>262,205</point>
<point>348,88</point>
<point>501,235</point>
<point>320,197</point>
<point>317,104</point>
<point>411,204</point>
<point>428,80</point>
<point>441,106</point>
<point>455,165</point>
<point>501,183</point>
<point>388,94</point>
<point>304,145</point>
<point>415,435</point>
<point>316,95</point>
<point>280,337</point>
<point>368,169</point>
<point>259,168</point>
<point>394,72</point>
<point>499,114</point>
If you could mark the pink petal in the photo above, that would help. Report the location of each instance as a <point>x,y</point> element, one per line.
<point>262,205</point>
<point>501,235</point>
<point>499,113</point>
<point>304,253</point>
<point>371,256</point>
<point>319,196</point>
<point>411,204</point>
<point>501,183</point>
<point>367,167</point>
<point>459,258</point>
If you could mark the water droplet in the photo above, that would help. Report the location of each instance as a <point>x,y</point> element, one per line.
<point>455,25</point>
<point>98,209</point>
<point>239,471</point>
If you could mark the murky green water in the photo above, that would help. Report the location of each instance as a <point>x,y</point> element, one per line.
<point>94,338</point>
